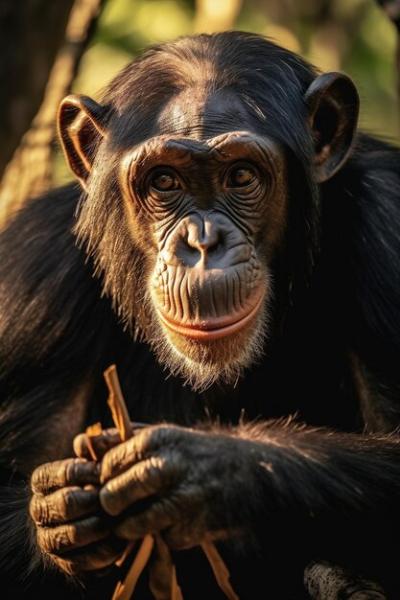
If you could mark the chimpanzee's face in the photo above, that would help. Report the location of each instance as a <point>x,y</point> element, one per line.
<point>212,201</point>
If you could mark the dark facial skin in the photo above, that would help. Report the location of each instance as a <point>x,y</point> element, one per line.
<point>212,208</point>
<point>206,207</point>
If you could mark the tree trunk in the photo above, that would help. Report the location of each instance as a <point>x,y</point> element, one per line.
<point>31,34</point>
<point>29,171</point>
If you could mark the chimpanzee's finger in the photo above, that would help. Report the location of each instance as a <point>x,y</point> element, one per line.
<point>64,473</point>
<point>146,442</point>
<point>66,504</point>
<point>94,557</point>
<point>152,520</point>
<point>145,479</point>
<point>61,539</point>
<point>101,443</point>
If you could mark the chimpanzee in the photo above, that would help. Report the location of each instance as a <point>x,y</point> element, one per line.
<point>234,248</point>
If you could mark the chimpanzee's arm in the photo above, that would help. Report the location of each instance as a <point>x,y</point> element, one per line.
<point>46,359</point>
<point>328,492</point>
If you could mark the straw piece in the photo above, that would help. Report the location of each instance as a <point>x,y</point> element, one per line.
<point>176,593</point>
<point>163,581</point>
<point>220,570</point>
<point>117,404</point>
<point>92,431</point>
<point>120,415</point>
<point>125,589</point>
<point>120,561</point>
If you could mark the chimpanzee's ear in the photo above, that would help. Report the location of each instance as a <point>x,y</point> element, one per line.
<point>81,123</point>
<point>333,104</point>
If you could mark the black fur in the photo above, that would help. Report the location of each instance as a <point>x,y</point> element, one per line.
<point>337,494</point>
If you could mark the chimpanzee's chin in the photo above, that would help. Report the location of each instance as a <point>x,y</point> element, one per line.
<point>202,363</point>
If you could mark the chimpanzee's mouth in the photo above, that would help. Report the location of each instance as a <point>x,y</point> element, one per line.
<point>215,328</point>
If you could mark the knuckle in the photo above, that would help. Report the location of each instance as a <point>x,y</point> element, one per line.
<point>156,463</point>
<point>56,508</point>
<point>69,470</point>
<point>135,450</point>
<point>108,439</point>
<point>65,504</point>
<point>57,540</point>
<point>64,537</point>
<point>38,509</point>
<point>161,433</point>
<point>40,477</point>
<point>148,439</point>
<point>68,499</point>
<point>56,474</point>
<point>109,499</point>
<point>80,444</point>
<point>46,540</point>
<point>154,468</point>
<point>140,472</point>
<point>113,460</point>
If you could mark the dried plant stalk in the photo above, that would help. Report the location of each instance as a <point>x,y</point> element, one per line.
<point>125,589</point>
<point>91,432</point>
<point>220,570</point>
<point>117,404</point>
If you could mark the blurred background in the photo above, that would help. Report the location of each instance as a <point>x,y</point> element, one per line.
<point>48,49</point>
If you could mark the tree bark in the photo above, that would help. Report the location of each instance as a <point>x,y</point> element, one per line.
<point>29,171</point>
<point>31,34</point>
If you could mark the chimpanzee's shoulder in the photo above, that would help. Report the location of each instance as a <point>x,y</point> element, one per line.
<point>51,213</point>
<point>375,155</point>
<point>38,249</point>
<point>361,228</point>
<point>50,303</point>
<point>368,186</point>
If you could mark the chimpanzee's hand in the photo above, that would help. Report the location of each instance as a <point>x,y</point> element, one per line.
<point>71,528</point>
<point>176,480</point>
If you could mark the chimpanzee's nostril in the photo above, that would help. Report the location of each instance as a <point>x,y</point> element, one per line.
<point>210,245</point>
<point>205,239</point>
<point>198,241</point>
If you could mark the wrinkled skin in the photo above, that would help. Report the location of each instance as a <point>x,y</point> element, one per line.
<point>164,479</point>
<point>71,529</point>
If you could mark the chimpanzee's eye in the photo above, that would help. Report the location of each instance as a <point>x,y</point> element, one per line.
<point>164,180</point>
<point>241,176</point>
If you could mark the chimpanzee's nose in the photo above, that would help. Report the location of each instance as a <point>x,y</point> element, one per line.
<point>208,240</point>
<point>203,237</point>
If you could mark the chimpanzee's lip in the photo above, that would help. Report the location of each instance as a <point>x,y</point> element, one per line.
<point>219,327</point>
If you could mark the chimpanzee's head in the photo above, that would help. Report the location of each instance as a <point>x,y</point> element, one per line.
<point>200,171</point>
